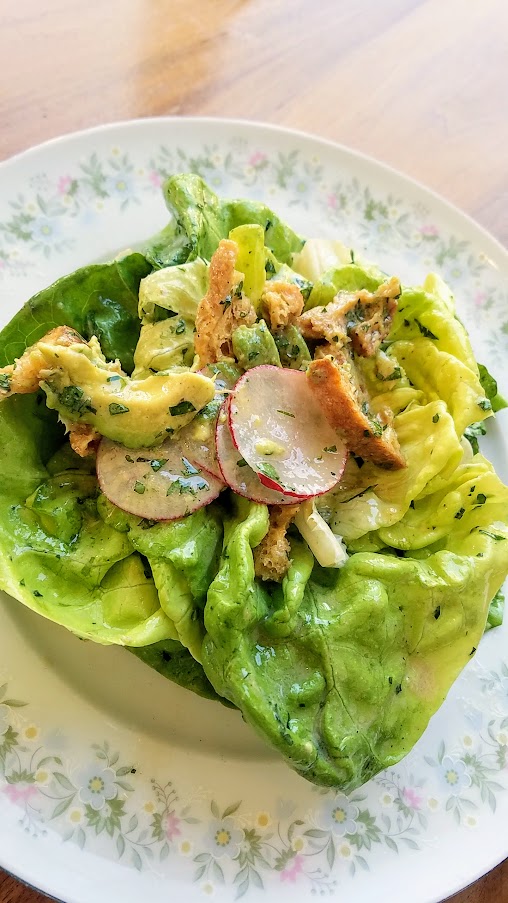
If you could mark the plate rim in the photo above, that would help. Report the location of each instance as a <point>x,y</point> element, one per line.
<point>349,153</point>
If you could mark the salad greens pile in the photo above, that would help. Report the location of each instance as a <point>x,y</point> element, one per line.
<point>338,668</point>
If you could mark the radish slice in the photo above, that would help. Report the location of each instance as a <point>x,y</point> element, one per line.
<point>197,440</point>
<point>237,473</point>
<point>157,484</point>
<point>283,434</point>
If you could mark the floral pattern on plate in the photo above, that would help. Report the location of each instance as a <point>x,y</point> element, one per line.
<point>100,799</point>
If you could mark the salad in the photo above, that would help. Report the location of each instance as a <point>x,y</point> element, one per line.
<point>253,460</point>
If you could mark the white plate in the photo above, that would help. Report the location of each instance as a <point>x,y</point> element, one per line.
<point>193,804</point>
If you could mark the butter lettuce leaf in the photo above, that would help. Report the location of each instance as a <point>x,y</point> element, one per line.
<point>100,300</point>
<point>370,655</point>
<point>58,556</point>
<point>175,663</point>
<point>201,220</point>
<point>183,556</point>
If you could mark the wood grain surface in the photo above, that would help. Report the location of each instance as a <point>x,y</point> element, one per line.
<point>419,84</point>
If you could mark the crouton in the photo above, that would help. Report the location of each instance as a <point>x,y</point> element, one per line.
<point>83,439</point>
<point>223,308</point>
<point>271,556</point>
<point>362,318</point>
<point>281,303</point>
<point>337,387</point>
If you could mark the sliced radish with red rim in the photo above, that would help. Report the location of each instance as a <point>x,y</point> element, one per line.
<point>197,439</point>
<point>156,484</point>
<point>282,433</point>
<point>236,472</point>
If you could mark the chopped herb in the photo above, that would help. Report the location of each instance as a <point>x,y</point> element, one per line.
<point>287,413</point>
<point>268,225</point>
<point>412,504</point>
<point>367,433</point>
<point>22,582</point>
<point>398,688</point>
<point>239,288</point>
<point>358,461</point>
<point>424,331</point>
<point>169,430</point>
<point>113,379</point>
<point>183,407</point>
<point>139,487</point>
<point>365,407</point>
<point>180,327</point>
<point>252,355</point>
<point>227,301</point>
<point>395,374</point>
<point>471,434</point>
<point>330,448</point>
<point>481,498</point>
<point>495,536</point>
<point>141,460</point>
<point>435,418</point>
<point>378,428</point>
<point>157,463</point>
<point>37,594</point>
<point>437,612</point>
<point>359,494</point>
<point>129,459</point>
<point>485,404</point>
<point>473,650</point>
<point>487,382</point>
<point>5,382</point>
<point>116,408</point>
<point>352,255</point>
<point>73,398</point>
<point>189,468</point>
<point>390,680</point>
<point>241,463</point>
<point>268,470</point>
<point>269,267</point>
<point>460,513</point>
<point>407,323</point>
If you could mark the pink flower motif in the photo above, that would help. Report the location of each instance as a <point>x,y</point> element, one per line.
<point>19,793</point>
<point>155,178</point>
<point>64,183</point>
<point>290,873</point>
<point>480,299</point>
<point>257,159</point>
<point>172,826</point>
<point>429,230</point>
<point>332,201</point>
<point>411,798</point>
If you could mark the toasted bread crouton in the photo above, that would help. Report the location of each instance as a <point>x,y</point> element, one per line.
<point>337,388</point>
<point>281,303</point>
<point>271,556</point>
<point>25,375</point>
<point>223,308</point>
<point>363,318</point>
<point>83,439</point>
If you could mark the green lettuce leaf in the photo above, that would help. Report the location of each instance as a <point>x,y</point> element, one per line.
<point>201,220</point>
<point>175,662</point>
<point>175,290</point>
<point>58,556</point>
<point>369,654</point>
<point>347,278</point>
<point>100,300</point>
<point>183,556</point>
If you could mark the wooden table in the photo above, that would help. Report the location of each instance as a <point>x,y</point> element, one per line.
<point>420,84</point>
